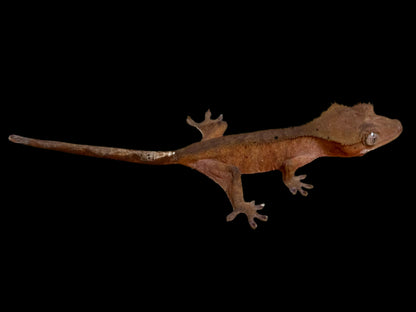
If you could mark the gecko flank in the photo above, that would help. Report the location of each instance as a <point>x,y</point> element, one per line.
<point>340,131</point>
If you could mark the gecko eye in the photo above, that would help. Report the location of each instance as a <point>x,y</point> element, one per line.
<point>370,138</point>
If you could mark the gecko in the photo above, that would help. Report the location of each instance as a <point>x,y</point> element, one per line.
<point>340,131</point>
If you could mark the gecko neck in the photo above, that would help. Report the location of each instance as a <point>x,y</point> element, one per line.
<point>334,149</point>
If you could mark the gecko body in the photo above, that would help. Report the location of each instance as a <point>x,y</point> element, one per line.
<point>340,131</point>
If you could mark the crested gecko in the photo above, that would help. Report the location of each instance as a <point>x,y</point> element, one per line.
<point>340,131</point>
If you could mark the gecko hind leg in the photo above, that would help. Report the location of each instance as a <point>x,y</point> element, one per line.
<point>229,178</point>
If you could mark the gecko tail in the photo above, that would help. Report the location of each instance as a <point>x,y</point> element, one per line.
<point>129,155</point>
<point>18,139</point>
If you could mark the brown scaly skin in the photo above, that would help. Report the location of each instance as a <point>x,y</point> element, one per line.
<point>340,131</point>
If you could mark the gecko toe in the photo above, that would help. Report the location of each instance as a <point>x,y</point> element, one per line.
<point>253,224</point>
<point>231,216</point>
<point>261,217</point>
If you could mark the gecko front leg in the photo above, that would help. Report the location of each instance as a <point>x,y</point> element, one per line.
<point>293,182</point>
<point>229,178</point>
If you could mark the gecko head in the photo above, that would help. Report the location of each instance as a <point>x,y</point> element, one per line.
<point>377,131</point>
<point>356,129</point>
<point>367,129</point>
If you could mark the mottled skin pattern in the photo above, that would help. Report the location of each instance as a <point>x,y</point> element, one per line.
<point>340,131</point>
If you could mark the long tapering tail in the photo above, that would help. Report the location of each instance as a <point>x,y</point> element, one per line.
<point>135,156</point>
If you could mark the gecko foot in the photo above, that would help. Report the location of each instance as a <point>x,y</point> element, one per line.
<point>250,210</point>
<point>295,185</point>
<point>210,128</point>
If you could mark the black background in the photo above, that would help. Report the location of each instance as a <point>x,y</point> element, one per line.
<point>116,78</point>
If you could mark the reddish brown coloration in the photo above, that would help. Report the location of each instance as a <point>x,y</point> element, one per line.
<point>340,132</point>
